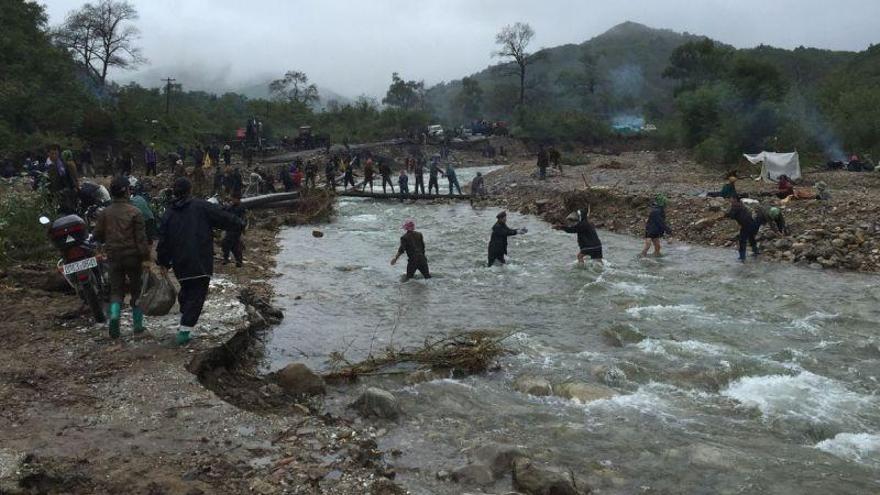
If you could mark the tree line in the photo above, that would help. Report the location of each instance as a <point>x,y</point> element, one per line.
<point>55,87</point>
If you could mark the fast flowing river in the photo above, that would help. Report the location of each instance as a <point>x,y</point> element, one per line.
<point>756,378</point>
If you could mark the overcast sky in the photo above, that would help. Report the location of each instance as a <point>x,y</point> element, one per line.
<point>353,46</point>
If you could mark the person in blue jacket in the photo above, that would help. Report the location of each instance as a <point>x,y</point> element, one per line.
<point>656,226</point>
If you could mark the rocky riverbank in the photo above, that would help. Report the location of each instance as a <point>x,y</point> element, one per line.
<point>842,233</point>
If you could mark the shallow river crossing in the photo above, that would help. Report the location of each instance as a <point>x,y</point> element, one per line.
<point>755,378</point>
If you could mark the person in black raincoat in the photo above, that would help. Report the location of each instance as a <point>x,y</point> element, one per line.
<point>588,240</point>
<point>747,227</point>
<point>186,244</point>
<point>413,244</point>
<point>498,241</point>
<point>656,226</point>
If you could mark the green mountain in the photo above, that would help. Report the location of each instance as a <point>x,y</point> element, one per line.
<point>616,73</point>
<point>625,66</point>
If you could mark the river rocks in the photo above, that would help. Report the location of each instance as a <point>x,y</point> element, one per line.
<point>534,479</point>
<point>609,375</point>
<point>375,402</point>
<point>422,376</point>
<point>620,335</point>
<point>298,379</point>
<point>384,486</point>
<point>473,474</point>
<point>782,244</point>
<point>498,457</point>
<point>584,392</point>
<point>533,385</point>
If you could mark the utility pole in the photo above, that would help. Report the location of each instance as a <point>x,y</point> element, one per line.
<point>168,82</point>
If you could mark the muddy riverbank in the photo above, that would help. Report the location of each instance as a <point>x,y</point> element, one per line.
<point>80,413</point>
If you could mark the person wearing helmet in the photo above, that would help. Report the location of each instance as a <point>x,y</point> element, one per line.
<point>63,179</point>
<point>656,226</point>
<point>120,227</point>
<point>588,240</point>
<point>498,241</point>
<point>771,216</point>
<point>413,244</point>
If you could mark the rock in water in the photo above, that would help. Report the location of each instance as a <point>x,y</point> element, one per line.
<point>473,474</point>
<point>584,392</point>
<point>317,234</point>
<point>533,385</point>
<point>499,457</point>
<point>377,403</point>
<point>533,479</point>
<point>298,379</point>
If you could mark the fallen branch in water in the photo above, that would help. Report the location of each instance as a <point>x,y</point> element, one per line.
<point>467,353</point>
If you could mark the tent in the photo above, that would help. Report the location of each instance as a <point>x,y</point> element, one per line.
<point>775,164</point>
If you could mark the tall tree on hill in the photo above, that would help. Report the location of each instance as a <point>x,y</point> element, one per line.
<point>294,87</point>
<point>406,95</point>
<point>469,99</point>
<point>514,42</point>
<point>101,36</point>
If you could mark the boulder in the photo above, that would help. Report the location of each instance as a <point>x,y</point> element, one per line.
<point>533,385</point>
<point>533,479</point>
<point>473,474</point>
<point>298,379</point>
<point>584,392</point>
<point>620,335</point>
<point>384,486</point>
<point>375,402</point>
<point>499,457</point>
<point>422,376</point>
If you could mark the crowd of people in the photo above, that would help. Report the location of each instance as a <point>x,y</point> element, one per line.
<point>135,236</point>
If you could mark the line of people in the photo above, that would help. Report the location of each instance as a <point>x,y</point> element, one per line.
<point>589,244</point>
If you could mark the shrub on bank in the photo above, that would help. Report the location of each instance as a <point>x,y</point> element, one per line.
<point>22,238</point>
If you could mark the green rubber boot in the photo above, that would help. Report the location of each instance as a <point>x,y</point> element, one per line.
<point>137,319</point>
<point>183,336</point>
<point>115,314</point>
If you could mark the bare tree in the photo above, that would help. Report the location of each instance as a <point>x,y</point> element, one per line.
<point>513,42</point>
<point>101,36</point>
<point>294,87</point>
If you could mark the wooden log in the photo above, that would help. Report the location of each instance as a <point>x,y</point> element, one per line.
<point>266,199</point>
<point>363,194</point>
<point>289,203</point>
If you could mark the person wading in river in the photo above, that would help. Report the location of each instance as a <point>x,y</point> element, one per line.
<point>656,226</point>
<point>186,244</point>
<point>413,244</point>
<point>498,241</point>
<point>588,240</point>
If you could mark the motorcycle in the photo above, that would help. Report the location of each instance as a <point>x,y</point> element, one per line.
<point>84,269</point>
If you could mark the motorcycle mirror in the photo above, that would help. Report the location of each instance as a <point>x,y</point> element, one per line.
<point>44,220</point>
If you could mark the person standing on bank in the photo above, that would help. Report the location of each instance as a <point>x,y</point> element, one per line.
<point>120,227</point>
<point>413,244</point>
<point>186,244</point>
<point>498,241</point>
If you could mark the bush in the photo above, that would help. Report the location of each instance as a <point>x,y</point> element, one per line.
<point>22,238</point>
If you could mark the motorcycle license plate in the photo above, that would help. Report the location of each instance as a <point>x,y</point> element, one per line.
<point>78,266</point>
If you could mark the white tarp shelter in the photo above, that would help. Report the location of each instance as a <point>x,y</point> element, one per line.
<point>775,164</point>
